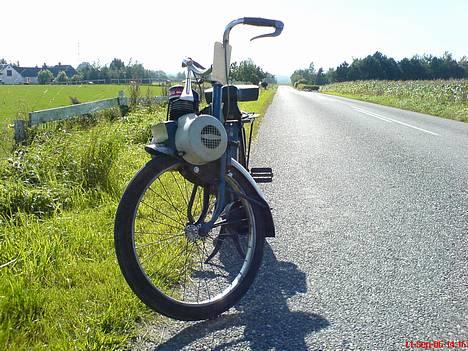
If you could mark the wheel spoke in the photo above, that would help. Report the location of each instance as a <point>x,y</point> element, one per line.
<point>180,190</point>
<point>152,220</point>
<point>165,215</point>
<point>178,212</point>
<point>170,201</point>
<point>157,242</point>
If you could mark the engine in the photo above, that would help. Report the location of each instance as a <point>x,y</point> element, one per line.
<point>201,139</point>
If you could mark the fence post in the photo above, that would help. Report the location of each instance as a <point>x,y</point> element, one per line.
<point>20,131</point>
<point>123,103</point>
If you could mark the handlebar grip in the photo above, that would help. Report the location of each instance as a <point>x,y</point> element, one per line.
<point>263,22</point>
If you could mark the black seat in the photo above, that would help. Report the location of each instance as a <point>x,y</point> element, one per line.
<point>230,107</point>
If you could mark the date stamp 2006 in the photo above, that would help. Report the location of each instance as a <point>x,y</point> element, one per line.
<point>436,344</point>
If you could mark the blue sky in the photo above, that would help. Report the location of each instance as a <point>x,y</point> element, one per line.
<point>160,33</point>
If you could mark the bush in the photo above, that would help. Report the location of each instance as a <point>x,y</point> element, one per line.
<point>40,201</point>
<point>135,94</point>
<point>96,162</point>
<point>299,82</point>
<point>59,168</point>
<point>76,78</point>
<point>307,87</point>
<point>61,77</point>
<point>44,76</point>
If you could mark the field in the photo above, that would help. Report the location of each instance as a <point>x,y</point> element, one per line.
<point>444,98</point>
<point>16,101</point>
<point>60,285</point>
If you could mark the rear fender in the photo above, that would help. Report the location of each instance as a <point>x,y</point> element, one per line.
<point>267,217</point>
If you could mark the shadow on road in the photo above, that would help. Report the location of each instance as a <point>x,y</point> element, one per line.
<point>263,319</point>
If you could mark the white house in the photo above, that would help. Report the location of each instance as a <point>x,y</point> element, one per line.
<point>9,75</point>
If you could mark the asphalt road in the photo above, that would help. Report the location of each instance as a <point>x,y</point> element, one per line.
<point>371,209</point>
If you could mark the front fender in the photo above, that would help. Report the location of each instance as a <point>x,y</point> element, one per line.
<point>156,149</point>
<point>267,217</point>
<point>163,141</point>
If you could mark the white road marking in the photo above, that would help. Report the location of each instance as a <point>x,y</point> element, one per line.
<point>369,113</point>
<point>388,119</point>
<point>372,114</point>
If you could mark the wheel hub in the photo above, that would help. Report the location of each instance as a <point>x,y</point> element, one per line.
<point>192,232</point>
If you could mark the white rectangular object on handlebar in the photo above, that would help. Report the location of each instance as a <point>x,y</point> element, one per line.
<point>219,63</point>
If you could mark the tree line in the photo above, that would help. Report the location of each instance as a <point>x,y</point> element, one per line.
<point>247,71</point>
<point>117,69</point>
<point>380,67</point>
<point>244,71</point>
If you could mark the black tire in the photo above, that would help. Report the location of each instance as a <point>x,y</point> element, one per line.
<point>153,282</point>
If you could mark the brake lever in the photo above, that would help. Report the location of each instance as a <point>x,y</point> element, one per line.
<point>274,34</point>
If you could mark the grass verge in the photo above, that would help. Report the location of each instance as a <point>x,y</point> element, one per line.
<point>60,286</point>
<point>260,106</point>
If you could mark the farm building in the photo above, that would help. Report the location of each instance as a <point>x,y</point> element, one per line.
<point>11,74</point>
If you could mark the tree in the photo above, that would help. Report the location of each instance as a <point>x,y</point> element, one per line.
<point>83,66</point>
<point>158,75</point>
<point>116,65</point>
<point>270,78</point>
<point>136,71</point>
<point>61,77</point>
<point>464,64</point>
<point>379,66</point>
<point>308,75</point>
<point>247,71</point>
<point>2,61</point>
<point>320,79</point>
<point>450,67</point>
<point>76,78</point>
<point>342,72</point>
<point>44,76</point>
<point>117,69</point>
<point>413,69</point>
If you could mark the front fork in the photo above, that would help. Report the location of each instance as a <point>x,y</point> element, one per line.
<point>232,130</point>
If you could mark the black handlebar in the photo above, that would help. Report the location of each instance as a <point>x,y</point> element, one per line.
<point>254,21</point>
<point>264,22</point>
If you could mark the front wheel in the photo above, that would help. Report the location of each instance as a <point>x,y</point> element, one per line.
<point>171,267</point>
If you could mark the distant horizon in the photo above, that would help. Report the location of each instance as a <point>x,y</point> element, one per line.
<point>349,61</point>
<point>281,75</point>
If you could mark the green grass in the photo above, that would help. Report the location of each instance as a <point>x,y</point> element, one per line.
<point>260,106</point>
<point>16,101</point>
<point>60,285</point>
<point>447,99</point>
